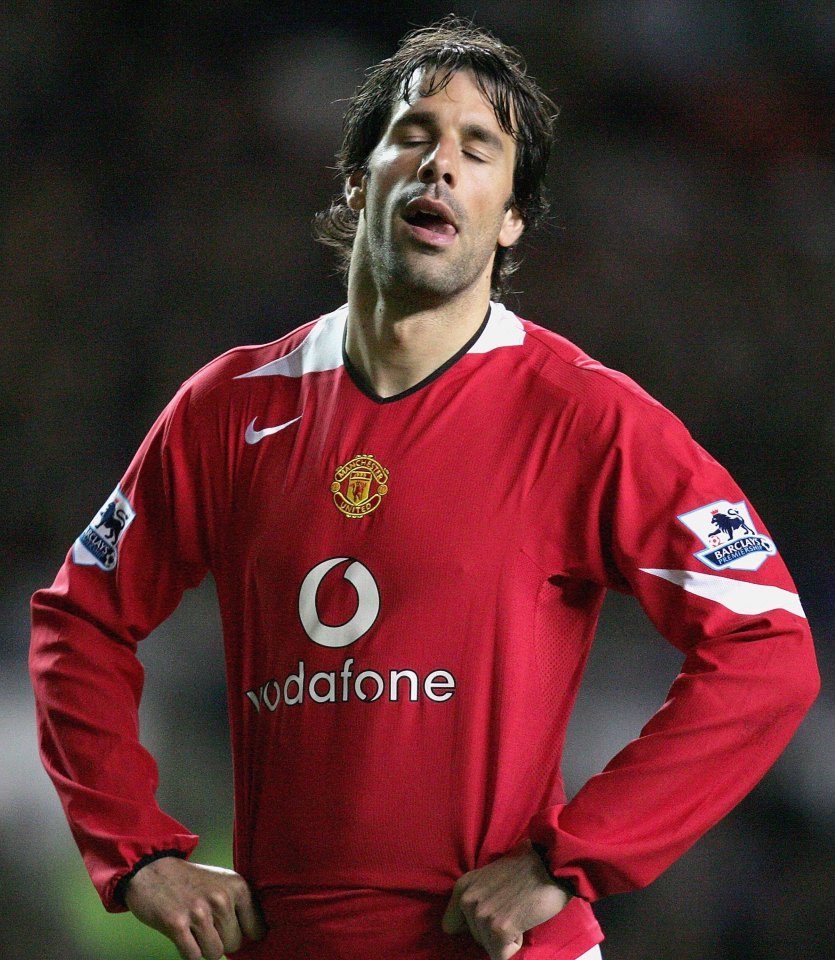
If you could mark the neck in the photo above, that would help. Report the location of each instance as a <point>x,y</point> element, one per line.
<point>396,342</point>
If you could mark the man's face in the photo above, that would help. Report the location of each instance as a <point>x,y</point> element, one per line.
<point>435,198</point>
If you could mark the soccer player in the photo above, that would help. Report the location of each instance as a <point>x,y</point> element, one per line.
<point>412,507</point>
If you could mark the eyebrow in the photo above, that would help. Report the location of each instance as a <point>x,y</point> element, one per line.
<point>471,131</point>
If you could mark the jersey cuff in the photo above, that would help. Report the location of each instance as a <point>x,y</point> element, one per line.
<point>564,883</point>
<point>121,887</point>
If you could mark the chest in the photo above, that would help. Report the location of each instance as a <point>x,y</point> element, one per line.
<point>434,484</point>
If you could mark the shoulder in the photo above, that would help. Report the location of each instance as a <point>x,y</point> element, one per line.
<point>314,346</point>
<point>559,361</point>
<point>605,405</point>
<point>565,369</point>
<point>220,392</point>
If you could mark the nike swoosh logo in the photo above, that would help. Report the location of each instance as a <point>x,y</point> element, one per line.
<point>255,436</point>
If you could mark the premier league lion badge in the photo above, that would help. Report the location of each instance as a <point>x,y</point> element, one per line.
<point>99,544</point>
<point>731,540</point>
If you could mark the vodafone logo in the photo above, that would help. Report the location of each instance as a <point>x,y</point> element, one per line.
<point>368,605</point>
<point>352,682</point>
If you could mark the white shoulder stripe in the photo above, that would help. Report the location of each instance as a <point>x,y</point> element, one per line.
<point>320,350</point>
<point>503,329</point>
<point>737,595</point>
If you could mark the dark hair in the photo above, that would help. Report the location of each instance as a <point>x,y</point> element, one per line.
<point>441,50</point>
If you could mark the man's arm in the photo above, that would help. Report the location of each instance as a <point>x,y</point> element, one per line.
<point>87,689</point>
<point>748,677</point>
<point>87,681</point>
<point>124,575</point>
<point>673,529</point>
<point>730,713</point>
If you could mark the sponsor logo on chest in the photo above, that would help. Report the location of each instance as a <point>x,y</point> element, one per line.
<point>351,682</point>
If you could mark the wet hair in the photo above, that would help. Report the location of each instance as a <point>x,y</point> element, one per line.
<point>439,51</point>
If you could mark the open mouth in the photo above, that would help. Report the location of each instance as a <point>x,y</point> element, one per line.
<point>430,221</point>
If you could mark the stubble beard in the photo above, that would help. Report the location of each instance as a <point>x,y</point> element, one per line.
<point>403,272</point>
<point>428,281</point>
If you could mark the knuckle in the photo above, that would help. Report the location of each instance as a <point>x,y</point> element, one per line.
<point>179,925</point>
<point>481,914</point>
<point>239,888</point>
<point>469,901</point>
<point>201,914</point>
<point>220,901</point>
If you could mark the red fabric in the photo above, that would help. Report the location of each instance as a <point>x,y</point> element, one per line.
<point>522,482</point>
<point>346,924</point>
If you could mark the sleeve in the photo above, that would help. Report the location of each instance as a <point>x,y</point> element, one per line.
<point>675,530</point>
<point>123,576</point>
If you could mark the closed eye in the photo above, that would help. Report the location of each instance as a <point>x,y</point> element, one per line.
<point>425,141</point>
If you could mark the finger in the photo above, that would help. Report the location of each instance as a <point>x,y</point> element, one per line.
<point>186,945</point>
<point>454,920</point>
<point>475,930</point>
<point>250,918</point>
<point>475,919</point>
<point>501,939</point>
<point>223,919</point>
<point>208,939</point>
<point>179,931</point>
<point>506,951</point>
<point>229,931</point>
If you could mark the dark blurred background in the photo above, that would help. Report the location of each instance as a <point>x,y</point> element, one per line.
<point>161,163</point>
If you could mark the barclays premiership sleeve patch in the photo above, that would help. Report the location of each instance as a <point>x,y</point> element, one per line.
<point>730,538</point>
<point>98,545</point>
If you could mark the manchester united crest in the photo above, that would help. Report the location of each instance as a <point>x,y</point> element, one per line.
<point>359,486</point>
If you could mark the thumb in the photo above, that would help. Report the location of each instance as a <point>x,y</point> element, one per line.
<point>250,918</point>
<point>454,921</point>
<point>508,950</point>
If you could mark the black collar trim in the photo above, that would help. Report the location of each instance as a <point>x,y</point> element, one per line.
<point>365,387</point>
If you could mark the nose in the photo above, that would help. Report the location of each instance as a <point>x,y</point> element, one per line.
<point>440,164</point>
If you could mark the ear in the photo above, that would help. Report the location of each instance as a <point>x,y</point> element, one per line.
<point>355,190</point>
<point>512,228</point>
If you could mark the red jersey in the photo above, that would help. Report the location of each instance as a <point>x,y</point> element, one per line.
<point>409,588</point>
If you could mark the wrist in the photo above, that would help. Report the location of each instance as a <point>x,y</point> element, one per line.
<point>121,888</point>
<point>564,883</point>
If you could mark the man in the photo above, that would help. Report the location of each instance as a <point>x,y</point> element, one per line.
<point>412,508</point>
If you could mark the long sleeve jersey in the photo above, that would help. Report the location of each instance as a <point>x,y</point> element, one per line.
<point>409,589</point>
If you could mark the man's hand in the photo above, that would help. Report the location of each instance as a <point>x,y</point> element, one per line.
<point>204,911</point>
<point>499,902</point>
